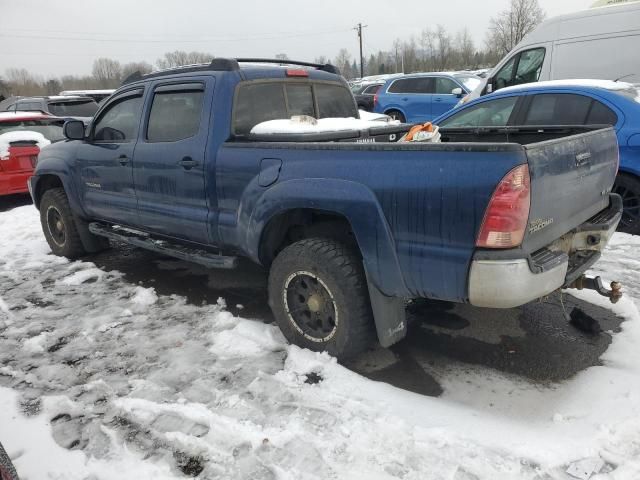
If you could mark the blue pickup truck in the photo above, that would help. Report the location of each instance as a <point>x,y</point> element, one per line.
<point>351,225</point>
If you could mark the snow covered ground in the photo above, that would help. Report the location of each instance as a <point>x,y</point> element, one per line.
<point>104,379</point>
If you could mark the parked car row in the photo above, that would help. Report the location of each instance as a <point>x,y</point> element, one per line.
<point>567,103</point>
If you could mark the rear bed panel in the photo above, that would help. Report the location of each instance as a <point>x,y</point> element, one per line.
<point>571,179</point>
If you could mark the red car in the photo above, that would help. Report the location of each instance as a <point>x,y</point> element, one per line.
<point>21,136</point>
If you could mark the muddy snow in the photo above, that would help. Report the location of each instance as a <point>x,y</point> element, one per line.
<point>104,379</point>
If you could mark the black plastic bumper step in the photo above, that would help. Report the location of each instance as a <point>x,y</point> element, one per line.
<point>183,252</point>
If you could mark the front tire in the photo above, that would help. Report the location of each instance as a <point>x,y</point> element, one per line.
<point>628,187</point>
<point>318,294</point>
<point>59,226</point>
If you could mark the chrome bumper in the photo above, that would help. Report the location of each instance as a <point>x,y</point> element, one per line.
<point>510,283</point>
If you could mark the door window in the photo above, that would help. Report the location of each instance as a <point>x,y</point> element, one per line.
<point>371,90</point>
<point>567,109</point>
<point>119,122</point>
<point>413,85</point>
<point>444,86</point>
<point>174,115</point>
<point>525,67</point>
<point>493,113</point>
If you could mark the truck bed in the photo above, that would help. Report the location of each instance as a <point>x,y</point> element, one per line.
<point>432,197</point>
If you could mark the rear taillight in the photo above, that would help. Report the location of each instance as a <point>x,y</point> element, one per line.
<point>375,100</point>
<point>505,220</point>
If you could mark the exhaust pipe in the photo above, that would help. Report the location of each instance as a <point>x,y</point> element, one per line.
<point>583,282</point>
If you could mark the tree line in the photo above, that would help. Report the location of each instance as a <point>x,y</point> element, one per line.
<point>434,49</point>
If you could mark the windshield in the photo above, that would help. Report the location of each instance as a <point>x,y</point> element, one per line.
<point>84,108</point>
<point>470,82</point>
<point>51,129</point>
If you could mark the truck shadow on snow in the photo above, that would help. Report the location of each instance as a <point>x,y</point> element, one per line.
<point>10,202</point>
<point>534,342</point>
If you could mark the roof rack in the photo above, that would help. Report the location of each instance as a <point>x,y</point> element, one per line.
<point>229,65</point>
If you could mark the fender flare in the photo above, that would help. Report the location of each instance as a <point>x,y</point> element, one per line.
<point>360,207</point>
<point>355,202</point>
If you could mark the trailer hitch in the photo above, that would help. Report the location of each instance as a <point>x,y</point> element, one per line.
<point>584,282</point>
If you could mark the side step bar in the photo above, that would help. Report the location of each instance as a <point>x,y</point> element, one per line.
<point>143,240</point>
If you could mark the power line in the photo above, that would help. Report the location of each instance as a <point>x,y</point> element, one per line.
<point>164,40</point>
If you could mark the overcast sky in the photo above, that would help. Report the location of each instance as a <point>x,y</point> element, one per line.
<point>56,37</point>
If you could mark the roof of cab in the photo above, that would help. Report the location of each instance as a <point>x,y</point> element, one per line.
<point>251,68</point>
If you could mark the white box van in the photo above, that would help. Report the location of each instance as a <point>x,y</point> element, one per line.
<point>601,43</point>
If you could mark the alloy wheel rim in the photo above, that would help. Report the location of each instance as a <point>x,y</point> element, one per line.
<point>310,306</point>
<point>56,226</point>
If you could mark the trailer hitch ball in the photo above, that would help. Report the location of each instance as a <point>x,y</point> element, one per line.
<point>583,282</point>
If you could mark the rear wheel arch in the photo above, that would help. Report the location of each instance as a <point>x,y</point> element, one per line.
<point>395,112</point>
<point>293,225</point>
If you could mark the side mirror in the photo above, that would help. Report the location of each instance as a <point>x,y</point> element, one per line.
<point>73,129</point>
<point>457,92</point>
<point>490,85</point>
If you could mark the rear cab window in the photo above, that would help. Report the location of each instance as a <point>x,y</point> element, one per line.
<point>263,100</point>
<point>51,129</point>
<point>82,108</point>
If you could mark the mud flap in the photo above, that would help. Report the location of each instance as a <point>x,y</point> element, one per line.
<point>91,243</point>
<point>390,316</point>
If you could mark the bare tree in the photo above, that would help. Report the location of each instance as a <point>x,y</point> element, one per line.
<point>511,25</point>
<point>443,48</point>
<point>107,72</point>
<point>465,48</point>
<point>132,67</point>
<point>343,62</point>
<point>180,58</point>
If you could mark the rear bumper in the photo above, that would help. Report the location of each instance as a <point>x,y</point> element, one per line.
<point>11,183</point>
<point>514,282</point>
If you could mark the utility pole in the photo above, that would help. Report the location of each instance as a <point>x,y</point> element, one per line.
<point>359,28</point>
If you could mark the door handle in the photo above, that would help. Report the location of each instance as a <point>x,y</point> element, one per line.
<point>437,100</point>
<point>405,99</point>
<point>123,160</point>
<point>188,163</point>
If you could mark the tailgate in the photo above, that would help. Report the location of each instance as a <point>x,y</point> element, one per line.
<point>571,179</point>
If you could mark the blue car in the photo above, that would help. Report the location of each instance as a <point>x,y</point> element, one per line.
<point>568,102</point>
<point>422,97</point>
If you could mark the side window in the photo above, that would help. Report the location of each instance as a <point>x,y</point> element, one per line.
<point>558,109</point>
<point>372,90</point>
<point>525,67</point>
<point>258,103</point>
<point>174,115</point>
<point>335,101</point>
<point>600,114</point>
<point>444,86</point>
<point>529,66</point>
<point>119,122</point>
<point>504,76</point>
<point>492,113</point>
<point>30,106</point>
<point>300,100</point>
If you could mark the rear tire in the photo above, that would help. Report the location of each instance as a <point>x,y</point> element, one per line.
<point>628,187</point>
<point>59,226</point>
<point>318,295</point>
<point>397,115</point>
